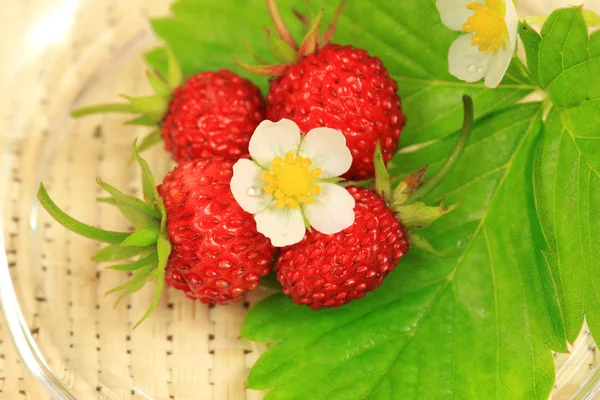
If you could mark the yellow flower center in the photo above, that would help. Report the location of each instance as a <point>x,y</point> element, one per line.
<point>487,24</point>
<point>292,181</point>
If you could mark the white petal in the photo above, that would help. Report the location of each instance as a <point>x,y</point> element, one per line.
<point>466,62</point>
<point>328,151</point>
<point>502,58</point>
<point>498,66</point>
<point>512,22</point>
<point>332,211</point>
<point>272,139</point>
<point>247,186</point>
<point>454,13</point>
<point>283,226</point>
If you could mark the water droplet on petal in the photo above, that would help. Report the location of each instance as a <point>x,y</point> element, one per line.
<point>254,191</point>
<point>480,70</point>
<point>471,68</point>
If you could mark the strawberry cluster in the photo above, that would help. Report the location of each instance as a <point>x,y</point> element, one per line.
<point>192,234</point>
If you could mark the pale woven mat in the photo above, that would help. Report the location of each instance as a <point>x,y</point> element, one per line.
<point>57,53</point>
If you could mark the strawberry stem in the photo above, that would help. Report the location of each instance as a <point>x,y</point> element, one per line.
<point>103,108</point>
<point>451,162</point>
<point>75,226</point>
<point>279,25</point>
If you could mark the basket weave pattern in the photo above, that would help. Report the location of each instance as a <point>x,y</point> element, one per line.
<point>185,350</point>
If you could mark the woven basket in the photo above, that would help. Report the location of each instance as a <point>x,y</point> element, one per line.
<point>73,53</point>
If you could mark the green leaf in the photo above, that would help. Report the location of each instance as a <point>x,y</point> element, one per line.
<point>270,281</point>
<point>470,324</point>
<point>116,252</point>
<point>148,182</point>
<point>151,258</point>
<point>407,35</point>
<point>144,237</point>
<point>595,44</point>
<point>564,43</point>
<point>137,212</point>
<point>567,180</point>
<point>73,225</point>
<point>531,42</point>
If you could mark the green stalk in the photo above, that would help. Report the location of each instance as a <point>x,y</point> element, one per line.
<point>451,162</point>
<point>75,226</point>
<point>105,108</point>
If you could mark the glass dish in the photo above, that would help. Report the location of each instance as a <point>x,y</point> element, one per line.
<point>69,342</point>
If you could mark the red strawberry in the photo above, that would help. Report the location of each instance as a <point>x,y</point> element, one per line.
<point>331,270</point>
<point>341,87</point>
<point>210,114</point>
<point>217,253</point>
<point>191,234</point>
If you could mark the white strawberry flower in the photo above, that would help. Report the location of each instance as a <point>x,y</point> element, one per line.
<point>487,48</point>
<point>291,182</point>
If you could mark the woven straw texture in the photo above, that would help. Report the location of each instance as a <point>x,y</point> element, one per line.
<point>59,54</point>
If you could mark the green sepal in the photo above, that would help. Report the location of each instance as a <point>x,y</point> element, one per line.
<point>419,215</point>
<point>407,187</point>
<point>148,183</point>
<point>160,283</point>
<point>311,40</point>
<point>383,183</point>
<point>174,74</point>
<point>531,43</point>
<point>334,180</point>
<point>140,277</point>
<point>107,200</point>
<point>160,87</point>
<point>280,49</point>
<point>262,70</point>
<point>422,244</point>
<point>104,108</point>
<point>73,225</point>
<point>144,237</point>
<point>116,252</point>
<point>163,248</point>
<point>136,211</point>
<point>151,258</point>
<point>154,107</point>
<point>142,121</point>
<point>150,140</point>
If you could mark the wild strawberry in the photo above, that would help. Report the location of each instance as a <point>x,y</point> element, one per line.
<point>217,253</point>
<point>191,234</point>
<point>340,87</point>
<point>332,270</point>
<point>211,114</point>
